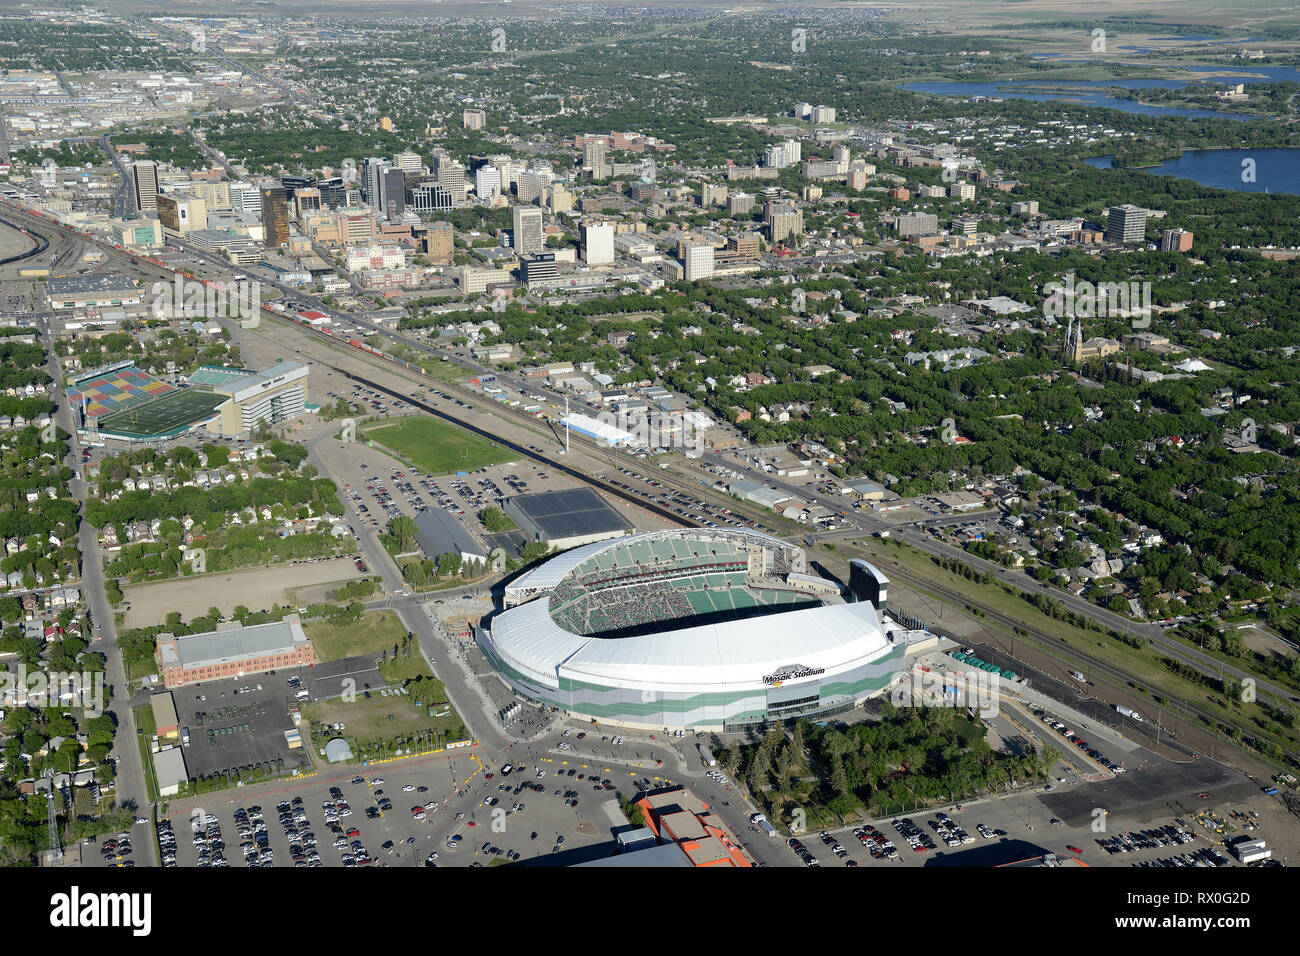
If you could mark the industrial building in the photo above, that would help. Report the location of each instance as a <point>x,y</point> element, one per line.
<point>438,532</point>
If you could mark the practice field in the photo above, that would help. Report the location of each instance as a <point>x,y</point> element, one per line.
<point>169,413</point>
<point>435,447</point>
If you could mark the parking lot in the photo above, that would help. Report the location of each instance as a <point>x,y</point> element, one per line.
<point>237,723</point>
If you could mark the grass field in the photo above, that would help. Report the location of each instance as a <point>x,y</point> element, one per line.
<point>435,447</point>
<point>376,631</point>
<point>164,414</point>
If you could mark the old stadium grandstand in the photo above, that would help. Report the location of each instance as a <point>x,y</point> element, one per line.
<point>701,629</point>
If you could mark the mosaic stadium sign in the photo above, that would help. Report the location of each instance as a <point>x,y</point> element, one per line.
<point>793,672</point>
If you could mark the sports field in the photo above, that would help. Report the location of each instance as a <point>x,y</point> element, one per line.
<point>435,447</point>
<point>167,413</point>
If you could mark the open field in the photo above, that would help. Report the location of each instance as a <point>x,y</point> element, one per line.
<point>254,588</point>
<point>375,632</point>
<point>435,447</point>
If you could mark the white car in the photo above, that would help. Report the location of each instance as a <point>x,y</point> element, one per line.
<point>408,788</point>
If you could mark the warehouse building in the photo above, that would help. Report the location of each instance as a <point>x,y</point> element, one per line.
<point>438,532</point>
<point>232,651</point>
<point>567,518</point>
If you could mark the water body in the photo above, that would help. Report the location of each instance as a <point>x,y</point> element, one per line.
<point>1276,170</point>
<point>1079,94</point>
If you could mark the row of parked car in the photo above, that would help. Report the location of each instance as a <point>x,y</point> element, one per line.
<point>1205,857</point>
<point>1169,835</point>
<point>1078,741</point>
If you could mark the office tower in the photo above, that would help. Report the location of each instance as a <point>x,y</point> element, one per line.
<point>292,184</point>
<point>181,214</point>
<point>916,224</point>
<point>333,192</point>
<point>593,158</point>
<point>451,176</point>
<point>1127,223</point>
<point>275,216</point>
<point>440,241</point>
<point>748,246</point>
<point>487,182</point>
<point>540,270</point>
<point>409,162</point>
<point>842,154</point>
<point>1175,240</point>
<point>965,225</point>
<point>474,119</point>
<point>783,219</point>
<point>431,197</point>
<point>306,201</point>
<point>393,193</point>
<point>529,186</point>
<point>245,197</point>
<point>712,195</point>
<point>372,181</point>
<point>528,238</point>
<point>216,195</point>
<point>144,174</point>
<point>698,260</point>
<point>597,242</point>
<point>802,110</point>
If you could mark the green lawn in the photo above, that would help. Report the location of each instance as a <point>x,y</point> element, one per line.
<point>435,447</point>
<point>376,631</point>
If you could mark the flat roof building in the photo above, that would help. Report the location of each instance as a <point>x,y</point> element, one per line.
<point>231,651</point>
<point>165,721</point>
<point>681,817</point>
<point>567,518</point>
<point>437,533</point>
<point>169,767</point>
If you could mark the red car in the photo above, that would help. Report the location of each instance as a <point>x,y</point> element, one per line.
<point>354,832</point>
<point>1073,849</point>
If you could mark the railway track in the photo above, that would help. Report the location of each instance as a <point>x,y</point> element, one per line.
<point>42,243</point>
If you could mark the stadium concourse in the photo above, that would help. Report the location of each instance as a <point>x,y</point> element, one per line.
<point>691,629</point>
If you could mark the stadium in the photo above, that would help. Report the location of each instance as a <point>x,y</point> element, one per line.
<point>124,403</point>
<point>692,629</point>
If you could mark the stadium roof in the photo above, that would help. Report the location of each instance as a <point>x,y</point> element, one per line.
<point>831,637</point>
<point>217,375</point>
<point>568,513</point>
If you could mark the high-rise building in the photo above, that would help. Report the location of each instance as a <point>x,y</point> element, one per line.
<point>1175,240</point>
<point>275,216</point>
<point>529,185</point>
<point>333,192</point>
<point>386,123</point>
<point>144,174</point>
<point>182,214</point>
<point>823,114</point>
<point>962,191</point>
<point>429,197</point>
<point>1126,223</point>
<point>712,194</point>
<point>393,194</point>
<point>292,184</point>
<point>748,246</point>
<point>916,224</point>
<point>559,198</point>
<point>783,219</point>
<point>597,242</point>
<point>451,176</point>
<point>487,182</point>
<point>410,163</point>
<point>306,201</point>
<point>245,197</point>
<point>781,155</point>
<point>372,181</point>
<point>593,158</point>
<point>474,119</point>
<point>541,270</point>
<point>697,259</point>
<point>440,241</point>
<point>740,204</point>
<point>528,238</point>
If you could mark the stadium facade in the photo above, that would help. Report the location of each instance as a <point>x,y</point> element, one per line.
<point>690,629</point>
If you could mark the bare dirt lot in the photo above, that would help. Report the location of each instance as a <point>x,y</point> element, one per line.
<point>255,588</point>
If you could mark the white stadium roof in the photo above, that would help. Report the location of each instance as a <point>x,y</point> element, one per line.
<point>834,637</point>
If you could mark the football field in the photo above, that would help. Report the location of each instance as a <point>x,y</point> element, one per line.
<point>168,413</point>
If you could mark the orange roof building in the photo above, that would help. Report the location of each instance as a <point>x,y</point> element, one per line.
<point>680,816</point>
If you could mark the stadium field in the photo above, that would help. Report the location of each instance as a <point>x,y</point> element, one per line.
<point>169,413</point>
<point>435,447</point>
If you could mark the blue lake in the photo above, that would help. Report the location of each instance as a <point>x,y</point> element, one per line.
<point>1275,170</point>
